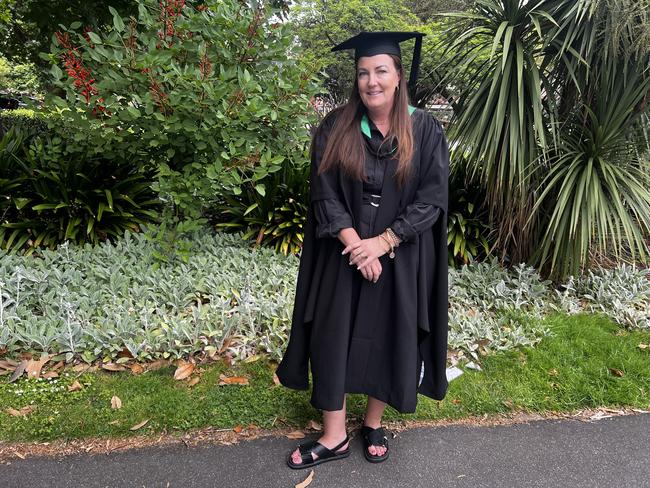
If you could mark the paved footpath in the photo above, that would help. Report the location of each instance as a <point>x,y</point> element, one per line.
<point>613,452</point>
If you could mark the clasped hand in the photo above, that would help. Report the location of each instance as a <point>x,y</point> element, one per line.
<point>365,255</point>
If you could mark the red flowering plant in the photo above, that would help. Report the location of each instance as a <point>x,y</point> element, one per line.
<point>213,94</point>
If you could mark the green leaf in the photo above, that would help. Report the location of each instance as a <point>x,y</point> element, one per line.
<point>94,38</point>
<point>134,112</point>
<point>117,19</point>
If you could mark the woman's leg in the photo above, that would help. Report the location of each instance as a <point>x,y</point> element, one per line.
<point>374,412</point>
<point>334,432</point>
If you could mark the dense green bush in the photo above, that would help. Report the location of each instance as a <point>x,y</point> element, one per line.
<point>50,194</point>
<point>272,212</point>
<point>23,119</point>
<point>467,231</point>
<point>212,92</point>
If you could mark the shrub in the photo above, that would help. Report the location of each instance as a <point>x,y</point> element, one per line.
<point>49,194</point>
<point>212,92</point>
<point>271,213</point>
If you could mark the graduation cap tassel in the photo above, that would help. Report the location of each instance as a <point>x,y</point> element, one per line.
<point>415,67</point>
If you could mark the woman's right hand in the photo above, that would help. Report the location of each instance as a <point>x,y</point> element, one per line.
<point>372,270</point>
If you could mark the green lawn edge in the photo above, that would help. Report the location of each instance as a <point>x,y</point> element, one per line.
<point>587,362</point>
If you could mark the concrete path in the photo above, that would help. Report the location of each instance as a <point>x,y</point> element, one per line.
<point>613,452</point>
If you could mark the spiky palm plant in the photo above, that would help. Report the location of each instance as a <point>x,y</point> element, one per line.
<point>548,123</point>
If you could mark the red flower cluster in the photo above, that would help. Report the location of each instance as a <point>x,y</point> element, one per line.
<point>170,10</point>
<point>88,29</point>
<point>82,77</point>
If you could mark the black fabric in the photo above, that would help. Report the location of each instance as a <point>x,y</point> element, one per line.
<point>372,43</point>
<point>362,337</point>
<point>416,217</point>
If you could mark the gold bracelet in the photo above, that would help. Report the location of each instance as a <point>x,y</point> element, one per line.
<point>392,251</point>
<point>393,236</point>
<point>390,246</point>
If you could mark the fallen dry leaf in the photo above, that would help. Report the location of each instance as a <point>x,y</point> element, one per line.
<point>76,386</point>
<point>34,367</point>
<point>8,364</point>
<point>183,371</point>
<point>232,380</point>
<point>296,434</point>
<point>116,402</point>
<point>157,364</point>
<point>114,422</point>
<point>124,353</point>
<point>238,429</point>
<point>644,346</point>
<point>113,367</point>
<point>26,410</point>
<point>276,380</point>
<point>50,374</point>
<point>58,366</point>
<point>307,480</point>
<point>140,425</point>
<point>225,345</point>
<point>18,372</point>
<point>78,368</point>
<point>553,372</point>
<point>252,359</point>
<point>21,456</point>
<point>194,381</point>
<point>616,372</point>
<point>136,368</point>
<point>314,425</point>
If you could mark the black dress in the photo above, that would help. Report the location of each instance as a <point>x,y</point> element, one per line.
<point>364,337</point>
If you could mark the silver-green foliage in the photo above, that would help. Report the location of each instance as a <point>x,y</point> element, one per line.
<point>493,309</point>
<point>622,293</point>
<point>93,302</point>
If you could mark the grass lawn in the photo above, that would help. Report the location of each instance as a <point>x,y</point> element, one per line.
<point>588,362</point>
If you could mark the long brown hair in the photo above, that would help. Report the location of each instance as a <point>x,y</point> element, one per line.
<point>345,145</point>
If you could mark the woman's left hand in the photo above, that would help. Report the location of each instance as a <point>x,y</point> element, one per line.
<point>364,251</point>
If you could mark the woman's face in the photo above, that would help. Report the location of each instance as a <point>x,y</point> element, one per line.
<point>377,78</point>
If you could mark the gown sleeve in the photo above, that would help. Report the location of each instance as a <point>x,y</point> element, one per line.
<point>329,211</point>
<point>417,217</point>
<point>331,217</point>
<point>431,196</point>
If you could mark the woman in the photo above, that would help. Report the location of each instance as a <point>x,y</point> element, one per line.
<point>370,314</point>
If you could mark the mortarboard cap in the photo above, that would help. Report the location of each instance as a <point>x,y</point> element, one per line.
<point>373,43</point>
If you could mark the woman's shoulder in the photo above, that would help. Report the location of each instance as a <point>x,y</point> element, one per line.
<point>425,119</point>
<point>329,120</point>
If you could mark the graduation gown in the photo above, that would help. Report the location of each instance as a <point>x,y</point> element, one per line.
<point>374,338</point>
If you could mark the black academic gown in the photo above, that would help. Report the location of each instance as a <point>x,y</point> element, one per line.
<point>375,344</point>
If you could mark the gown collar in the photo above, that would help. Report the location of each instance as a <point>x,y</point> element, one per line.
<point>365,122</point>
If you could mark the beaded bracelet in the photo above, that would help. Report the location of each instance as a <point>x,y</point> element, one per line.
<point>393,236</point>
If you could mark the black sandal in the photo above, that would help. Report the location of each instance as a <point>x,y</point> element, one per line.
<point>374,437</point>
<point>324,454</point>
